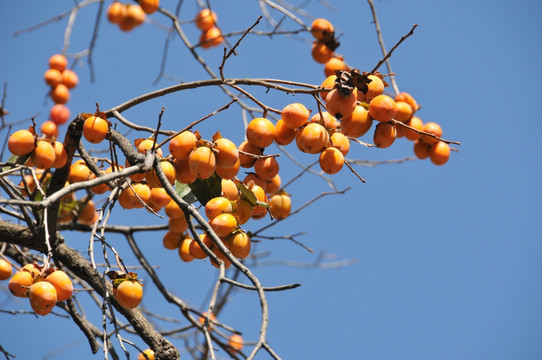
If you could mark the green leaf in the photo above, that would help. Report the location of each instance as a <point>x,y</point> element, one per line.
<point>247,194</point>
<point>206,189</point>
<point>184,191</point>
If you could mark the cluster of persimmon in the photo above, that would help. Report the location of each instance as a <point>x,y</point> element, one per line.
<point>129,16</point>
<point>211,35</point>
<point>44,287</point>
<point>41,152</point>
<point>357,107</point>
<point>127,289</point>
<point>60,79</point>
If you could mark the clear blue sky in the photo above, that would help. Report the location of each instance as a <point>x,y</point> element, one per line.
<point>448,259</point>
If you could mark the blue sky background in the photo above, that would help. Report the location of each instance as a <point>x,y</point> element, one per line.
<point>448,259</point>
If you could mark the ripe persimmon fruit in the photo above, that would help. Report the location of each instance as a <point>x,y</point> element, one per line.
<point>58,62</point>
<point>333,65</point>
<point>21,142</point>
<point>5,270</point>
<point>19,283</point>
<point>129,294</point>
<point>382,108</point>
<point>49,129</point>
<point>245,160</point>
<point>211,37</point>
<point>195,248</point>
<point>216,206</point>
<point>225,152</point>
<point>184,249</point>
<point>384,135</point>
<point>223,224</point>
<point>178,224</point>
<point>328,83</point>
<point>341,142</point>
<point>331,160</point>
<point>295,115</point>
<point>62,284</point>
<point>374,88</point>
<point>235,342</point>
<point>182,172</point>
<point>172,240</point>
<point>70,78</point>
<point>439,153</point>
<point>313,138</point>
<point>421,149</point>
<point>149,6</point>
<point>59,114</point>
<point>339,105</point>
<point>283,134</point>
<point>116,12</point>
<point>95,129</point>
<point>260,132</point>
<point>202,162</point>
<point>228,172</point>
<point>266,168</point>
<point>43,156</point>
<point>321,53</point>
<point>431,128</point>
<point>239,244</point>
<point>322,29</point>
<point>205,19</point>
<point>280,206</point>
<point>325,119</point>
<point>43,297</point>
<point>416,123</point>
<point>52,77</point>
<point>60,94</point>
<point>404,111</point>
<point>182,144</point>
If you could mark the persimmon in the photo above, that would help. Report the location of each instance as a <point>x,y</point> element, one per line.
<point>228,172</point>
<point>374,88</point>
<point>339,105</point>
<point>172,240</point>
<point>182,172</point>
<point>229,189</point>
<point>225,152</point>
<point>328,83</point>
<point>254,178</point>
<point>409,99</point>
<point>79,172</point>
<point>182,144</point>
<point>87,213</point>
<point>295,115</point>
<point>358,123</point>
<point>159,197</point>
<point>149,6</point>
<point>333,65</point>
<point>21,142</point>
<point>321,53</point>
<point>331,160</point>
<point>173,210</point>
<point>259,211</point>
<point>382,108</point>
<point>439,153</point>
<point>19,283</point>
<point>60,94</point>
<point>169,171</point>
<point>404,111</point>
<point>245,160</point>
<point>116,12</point>
<point>341,142</point>
<point>216,206</point>
<point>384,135</point>
<point>5,270</point>
<point>325,119</point>
<point>266,168</point>
<point>195,248</point>
<point>129,294</point>
<point>134,15</point>
<point>273,185</point>
<point>239,244</point>
<point>283,134</point>
<point>242,211</point>
<point>178,224</point>
<point>95,129</point>
<point>42,295</point>
<point>127,198</point>
<point>416,123</point>
<point>211,37</point>
<point>59,114</point>
<point>52,77</point>
<point>431,128</point>
<point>223,224</point>
<point>280,206</point>
<point>212,319</point>
<point>58,62</point>
<point>184,249</point>
<point>260,132</point>
<point>148,352</point>
<point>102,188</point>
<point>220,254</point>
<point>43,156</point>
<point>205,19</point>
<point>143,192</point>
<point>202,162</point>
<point>235,342</point>
<point>313,138</point>
<point>146,145</point>
<point>49,129</point>
<point>421,149</point>
<point>321,29</point>
<point>70,78</point>
<point>62,284</point>
<point>33,269</point>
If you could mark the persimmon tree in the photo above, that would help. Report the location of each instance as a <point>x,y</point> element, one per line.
<point>74,170</point>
